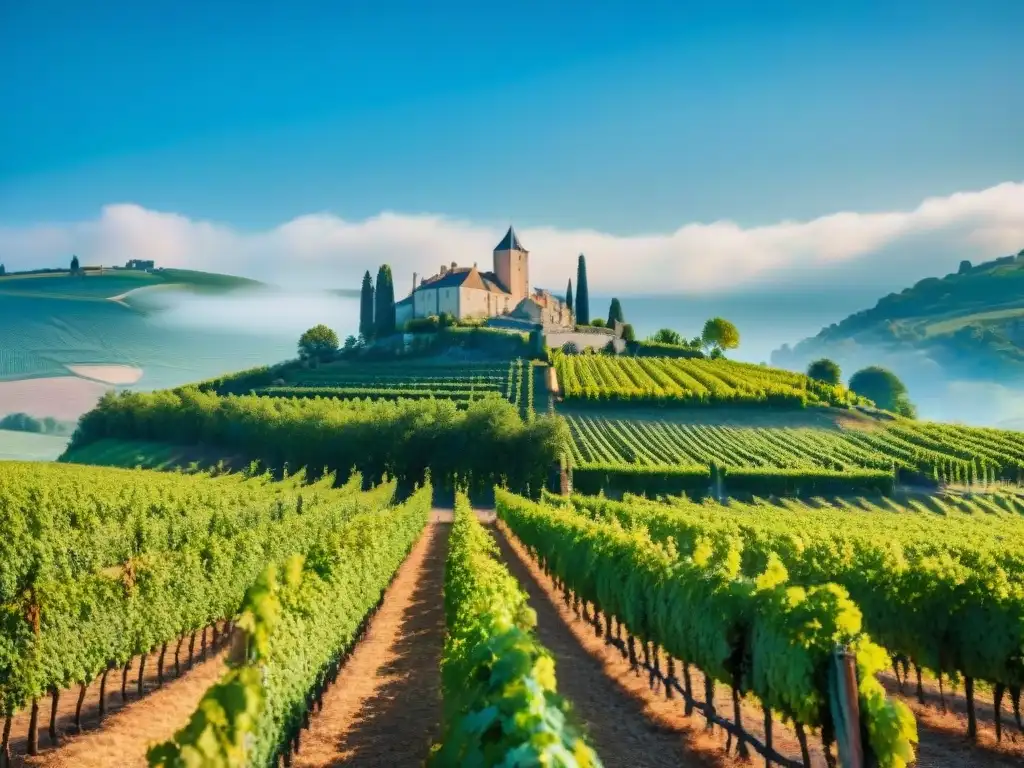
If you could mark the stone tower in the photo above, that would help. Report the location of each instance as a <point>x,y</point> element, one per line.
<point>512,266</point>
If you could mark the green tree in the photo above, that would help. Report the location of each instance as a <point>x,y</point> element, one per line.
<point>366,307</point>
<point>965,267</point>
<point>3,270</point>
<point>628,334</point>
<point>719,332</point>
<point>318,343</point>
<point>615,313</point>
<point>568,296</point>
<point>74,263</point>
<point>597,322</point>
<point>582,293</point>
<point>667,336</point>
<point>884,388</point>
<point>351,342</point>
<point>384,304</point>
<point>825,370</point>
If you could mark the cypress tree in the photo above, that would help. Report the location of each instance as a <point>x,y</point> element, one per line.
<point>568,295</point>
<point>615,313</point>
<point>384,303</point>
<point>582,294</point>
<point>366,307</point>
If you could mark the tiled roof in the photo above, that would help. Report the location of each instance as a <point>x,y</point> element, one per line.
<point>510,242</point>
<point>492,282</point>
<point>464,277</point>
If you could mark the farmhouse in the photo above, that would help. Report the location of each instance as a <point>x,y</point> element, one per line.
<point>465,292</point>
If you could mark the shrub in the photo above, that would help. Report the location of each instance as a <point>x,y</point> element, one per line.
<point>825,370</point>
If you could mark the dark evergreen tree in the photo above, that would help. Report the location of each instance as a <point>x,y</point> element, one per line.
<point>582,294</point>
<point>568,295</point>
<point>74,263</point>
<point>366,307</point>
<point>615,313</point>
<point>384,303</point>
<point>3,270</point>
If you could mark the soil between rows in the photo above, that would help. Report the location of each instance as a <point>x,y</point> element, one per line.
<point>385,708</point>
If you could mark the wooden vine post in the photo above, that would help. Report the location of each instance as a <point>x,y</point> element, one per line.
<point>33,615</point>
<point>844,702</point>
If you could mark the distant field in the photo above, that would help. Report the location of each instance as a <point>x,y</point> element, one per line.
<point>116,282</point>
<point>955,323</point>
<point>64,397</point>
<point>26,446</point>
<point>57,325</point>
<point>87,287</point>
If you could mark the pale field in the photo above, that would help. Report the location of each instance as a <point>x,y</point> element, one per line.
<point>62,397</point>
<point>108,374</point>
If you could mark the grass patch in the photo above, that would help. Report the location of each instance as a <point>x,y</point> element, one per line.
<point>146,454</point>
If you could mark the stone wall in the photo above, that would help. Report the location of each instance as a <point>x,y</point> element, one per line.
<point>557,339</point>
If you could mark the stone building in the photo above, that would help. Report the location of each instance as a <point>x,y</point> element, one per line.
<point>468,292</point>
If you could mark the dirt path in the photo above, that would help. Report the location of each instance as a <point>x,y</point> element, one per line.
<point>385,708</point>
<point>114,702</point>
<point>125,736</point>
<point>577,650</point>
<point>626,726</point>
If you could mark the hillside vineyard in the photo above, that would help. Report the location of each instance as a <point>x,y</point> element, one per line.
<point>758,635</point>
<point>944,592</point>
<point>778,558</point>
<point>100,565</point>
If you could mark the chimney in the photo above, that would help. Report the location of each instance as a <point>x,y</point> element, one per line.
<point>414,276</point>
<point>443,269</point>
<point>454,265</point>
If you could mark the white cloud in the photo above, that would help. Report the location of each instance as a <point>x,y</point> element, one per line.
<point>882,249</point>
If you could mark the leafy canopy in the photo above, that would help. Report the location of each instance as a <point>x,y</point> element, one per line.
<point>667,336</point>
<point>319,342</point>
<point>825,370</point>
<point>884,387</point>
<point>719,332</point>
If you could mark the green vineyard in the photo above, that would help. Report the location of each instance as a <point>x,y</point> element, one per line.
<point>754,633</point>
<point>780,620</point>
<point>462,383</point>
<point>600,379</point>
<point>939,583</point>
<point>487,616</point>
<point>676,457</point>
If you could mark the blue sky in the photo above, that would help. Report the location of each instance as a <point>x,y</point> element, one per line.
<point>622,117</point>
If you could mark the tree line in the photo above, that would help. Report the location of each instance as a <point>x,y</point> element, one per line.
<point>482,445</point>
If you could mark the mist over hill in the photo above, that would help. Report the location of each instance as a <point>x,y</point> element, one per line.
<point>957,341</point>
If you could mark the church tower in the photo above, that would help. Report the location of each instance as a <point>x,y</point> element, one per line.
<point>512,266</point>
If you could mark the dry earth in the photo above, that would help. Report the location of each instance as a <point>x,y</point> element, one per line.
<point>385,707</point>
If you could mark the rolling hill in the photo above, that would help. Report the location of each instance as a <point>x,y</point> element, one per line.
<point>967,325</point>
<point>66,338</point>
<point>52,322</point>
